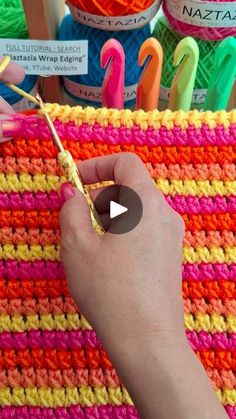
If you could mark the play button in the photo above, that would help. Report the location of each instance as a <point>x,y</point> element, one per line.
<point>119,208</point>
<point>116,209</point>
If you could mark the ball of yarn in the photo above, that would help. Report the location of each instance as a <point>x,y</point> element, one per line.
<point>12,20</point>
<point>169,40</point>
<point>206,28</point>
<point>130,40</point>
<point>112,8</point>
<point>13,25</point>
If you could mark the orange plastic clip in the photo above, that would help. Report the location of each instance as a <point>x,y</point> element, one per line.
<point>149,84</point>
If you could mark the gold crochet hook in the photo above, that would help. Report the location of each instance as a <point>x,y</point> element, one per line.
<point>68,164</point>
<point>64,157</point>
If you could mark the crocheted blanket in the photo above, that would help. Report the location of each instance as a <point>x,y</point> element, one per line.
<point>51,362</point>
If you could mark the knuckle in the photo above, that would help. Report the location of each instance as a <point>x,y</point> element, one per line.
<point>173,220</point>
<point>69,240</point>
<point>131,157</point>
<point>179,223</point>
<point>69,231</point>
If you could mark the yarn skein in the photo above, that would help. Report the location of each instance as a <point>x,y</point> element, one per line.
<point>12,20</point>
<point>13,25</point>
<point>112,8</point>
<point>209,20</point>
<point>169,40</point>
<point>87,88</point>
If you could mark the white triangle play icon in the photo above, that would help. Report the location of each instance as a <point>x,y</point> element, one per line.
<point>116,209</point>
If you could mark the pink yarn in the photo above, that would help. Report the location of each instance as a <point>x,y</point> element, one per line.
<point>109,135</point>
<point>205,340</point>
<point>207,271</point>
<point>208,33</point>
<point>181,204</point>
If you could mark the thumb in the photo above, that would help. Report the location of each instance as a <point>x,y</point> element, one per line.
<point>75,221</point>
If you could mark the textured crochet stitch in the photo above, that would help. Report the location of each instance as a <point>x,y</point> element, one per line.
<point>51,362</point>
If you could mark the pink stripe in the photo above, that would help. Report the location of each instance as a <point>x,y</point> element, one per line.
<point>29,201</point>
<point>202,205</point>
<point>30,270</point>
<point>231,410</point>
<point>88,339</point>
<point>48,269</point>
<point>50,339</point>
<point>205,341</point>
<point>208,271</point>
<point>190,204</point>
<point>95,412</point>
<point>36,128</point>
<point>181,204</point>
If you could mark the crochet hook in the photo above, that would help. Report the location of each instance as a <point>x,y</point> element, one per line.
<point>68,164</point>
<point>223,76</point>
<point>186,56</point>
<point>149,84</point>
<point>113,59</point>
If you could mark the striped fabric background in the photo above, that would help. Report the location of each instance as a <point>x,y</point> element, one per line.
<point>51,362</point>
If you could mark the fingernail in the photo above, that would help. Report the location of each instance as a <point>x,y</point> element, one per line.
<point>66,192</point>
<point>9,127</point>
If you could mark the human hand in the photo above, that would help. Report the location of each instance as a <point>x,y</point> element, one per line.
<point>134,278</point>
<point>13,74</point>
<point>129,288</point>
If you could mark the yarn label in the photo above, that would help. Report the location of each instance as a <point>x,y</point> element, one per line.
<point>114,23</point>
<point>94,94</point>
<point>198,98</point>
<point>47,58</point>
<point>203,13</point>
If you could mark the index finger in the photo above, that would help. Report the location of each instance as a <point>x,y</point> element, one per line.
<point>14,73</point>
<point>124,168</point>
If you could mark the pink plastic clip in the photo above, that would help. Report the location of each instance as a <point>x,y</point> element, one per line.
<point>113,57</point>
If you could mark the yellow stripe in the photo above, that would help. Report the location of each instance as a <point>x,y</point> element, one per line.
<point>212,255</point>
<point>227,396</point>
<point>64,397</point>
<point>18,323</point>
<point>197,188</point>
<point>46,183</point>
<point>214,323</point>
<point>85,396</point>
<point>154,119</point>
<point>51,252</point>
<point>29,253</point>
<point>31,183</point>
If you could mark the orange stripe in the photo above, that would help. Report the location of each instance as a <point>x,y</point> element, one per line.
<point>27,306</point>
<point>205,171</point>
<point>201,238</point>
<point>209,289</point>
<point>210,306</point>
<point>168,155</point>
<point>49,219</point>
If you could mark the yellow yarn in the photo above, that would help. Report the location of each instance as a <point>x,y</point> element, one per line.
<point>156,119</point>
<point>63,397</point>
<point>18,323</point>
<point>51,252</point>
<point>31,183</point>
<point>214,323</point>
<point>47,183</point>
<point>196,188</point>
<point>29,253</point>
<point>206,255</point>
